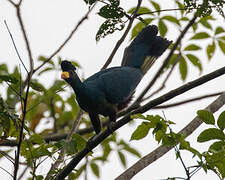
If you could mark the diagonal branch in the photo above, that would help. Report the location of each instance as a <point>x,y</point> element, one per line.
<point>161,150</point>
<point>67,39</point>
<point>109,60</point>
<point>99,138</point>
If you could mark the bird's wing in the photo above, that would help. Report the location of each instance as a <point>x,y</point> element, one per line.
<point>119,83</point>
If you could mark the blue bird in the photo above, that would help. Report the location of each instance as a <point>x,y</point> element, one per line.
<point>110,90</point>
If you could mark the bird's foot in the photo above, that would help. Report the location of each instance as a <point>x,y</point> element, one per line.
<point>110,126</point>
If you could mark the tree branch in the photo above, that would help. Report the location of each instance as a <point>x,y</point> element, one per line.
<point>99,138</point>
<point>120,41</point>
<point>187,101</point>
<point>68,38</point>
<point>161,150</point>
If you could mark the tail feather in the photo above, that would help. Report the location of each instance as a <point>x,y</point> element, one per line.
<point>145,49</point>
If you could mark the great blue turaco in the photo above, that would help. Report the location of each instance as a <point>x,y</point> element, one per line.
<point>110,90</point>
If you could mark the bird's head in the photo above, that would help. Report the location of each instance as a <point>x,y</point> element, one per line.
<point>68,70</point>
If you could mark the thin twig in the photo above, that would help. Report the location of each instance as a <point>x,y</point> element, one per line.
<point>6,171</point>
<point>23,173</point>
<point>187,101</point>
<point>14,4</point>
<point>67,39</point>
<point>166,79</point>
<point>119,42</point>
<point>15,45</point>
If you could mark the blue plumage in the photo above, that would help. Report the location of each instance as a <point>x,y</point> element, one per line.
<point>110,90</point>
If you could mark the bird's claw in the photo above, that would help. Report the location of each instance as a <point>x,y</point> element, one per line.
<point>110,126</point>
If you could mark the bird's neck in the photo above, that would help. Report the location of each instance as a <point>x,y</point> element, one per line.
<point>77,85</point>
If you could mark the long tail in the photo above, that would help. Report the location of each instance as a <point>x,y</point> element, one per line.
<point>145,49</point>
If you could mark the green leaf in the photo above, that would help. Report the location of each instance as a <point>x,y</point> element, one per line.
<point>192,47</point>
<point>210,50</point>
<point>195,61</point>
<point>142,10</point>
<point>122,158</point>
<point>132,151</point>
<point>80,141</point>
<point>8,78</point>
<point>211,134</point>
<point>35,85</point>
<point>205,23</point>
<point>201,35</point>
<point>183,68</point>
<point>219,30</point>
<point>217,146</point>
<point>45,70</point>
<point>90,2</point>
<point>171,19</point>
<point>70,147</point>
<point>221,121</point>
<point>3,69</point>
<point>162,28</point>
<point>95,169</point>
<point>115,2</point>
<point>139,26</point>
<point>141,131</point>
<point>222,46</point>
<point>43,59</point>
<point>110,11</point>
<point>206,116</point>
<point>156,6</point>
<point>109,27</point>
<point>36,138</point>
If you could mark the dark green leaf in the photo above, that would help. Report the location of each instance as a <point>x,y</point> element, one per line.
<point>8,78</point>
<point>211,134</point>
<point>162,28</point>
<point>217,146</point>
<point>122,158</point>
<point>139,26</point>
<point>141,131</point>
<point>95,169</point>
<point>192,47</point>
<point>109,27</point>
<point>221,121</point>
<point>90,2</point>
<point>219,30</point>
<point>195,61</point>
<point>109,11</point>
<point>206,116</point>
<point>115,2</point>
<point>183,68</point>
<point>222,46</point>
<point>142,10</point>
<point>201,35</point>
<point>210,50</point>
<point>171,19</point>
<point>71,147</point>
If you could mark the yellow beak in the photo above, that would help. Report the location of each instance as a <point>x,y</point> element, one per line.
<point>65,75</point>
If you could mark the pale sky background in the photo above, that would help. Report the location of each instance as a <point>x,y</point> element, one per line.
<point>49,22</point>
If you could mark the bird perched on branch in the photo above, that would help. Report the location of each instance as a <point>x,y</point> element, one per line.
<point>110,90</point>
